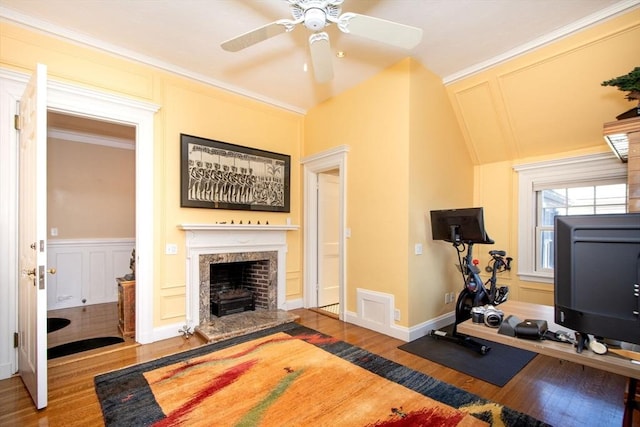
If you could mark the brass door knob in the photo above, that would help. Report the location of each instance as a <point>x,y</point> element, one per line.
<point>30,272</point>
<point>52,271</point>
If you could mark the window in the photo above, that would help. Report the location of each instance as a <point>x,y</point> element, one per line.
<point>585,200</point>
<point>580,185</point>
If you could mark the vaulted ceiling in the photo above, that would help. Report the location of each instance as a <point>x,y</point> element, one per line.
<point>460,37</point>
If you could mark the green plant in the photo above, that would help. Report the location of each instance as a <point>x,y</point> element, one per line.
<point>627,83</point>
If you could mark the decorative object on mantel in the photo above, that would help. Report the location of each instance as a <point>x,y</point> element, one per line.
<point>238,227</point>
<point>219,175</point>
<point>628,83</point>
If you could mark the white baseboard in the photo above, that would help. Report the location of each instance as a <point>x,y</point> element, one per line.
<point>166,332</point>
<point>293,304</point>
<point>5,371</point>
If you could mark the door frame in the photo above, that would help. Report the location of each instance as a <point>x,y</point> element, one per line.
<point>332,159</point>
<point>79,101</point>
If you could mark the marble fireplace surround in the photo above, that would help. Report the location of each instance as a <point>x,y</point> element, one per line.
<point>205,242</point>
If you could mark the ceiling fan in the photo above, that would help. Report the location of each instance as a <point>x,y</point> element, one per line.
<point>315,15</point>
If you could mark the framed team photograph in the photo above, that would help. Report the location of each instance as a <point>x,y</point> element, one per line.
<point>219,175</point>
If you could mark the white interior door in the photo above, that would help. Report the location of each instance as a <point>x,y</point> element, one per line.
<point>328,239</point>
<point>32,238</point>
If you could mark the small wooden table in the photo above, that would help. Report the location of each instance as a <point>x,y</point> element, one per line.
<point>127,307</point>
<point>523,310</point>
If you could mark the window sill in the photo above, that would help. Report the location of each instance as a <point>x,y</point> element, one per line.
<point>535,277</point>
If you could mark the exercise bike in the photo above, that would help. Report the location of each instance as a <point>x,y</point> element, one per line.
<point>475,292</point>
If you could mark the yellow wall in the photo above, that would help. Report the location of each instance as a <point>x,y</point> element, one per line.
<point>186,107</point>
<point>406,156</point>
<point>440,177</point>
<point>547,104</point>
<point>377,177</point>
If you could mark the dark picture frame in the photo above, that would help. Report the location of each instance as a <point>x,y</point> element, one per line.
<point>219,175</point>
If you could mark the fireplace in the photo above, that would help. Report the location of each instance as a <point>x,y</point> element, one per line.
<point>210,244</point>
<point>239,281</point>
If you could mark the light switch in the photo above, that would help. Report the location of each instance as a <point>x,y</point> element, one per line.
<point>418,248</point>
<point>171,249</point>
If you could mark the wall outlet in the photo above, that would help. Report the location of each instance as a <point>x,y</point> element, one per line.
<point>396,314</point>
<point>449,297</point>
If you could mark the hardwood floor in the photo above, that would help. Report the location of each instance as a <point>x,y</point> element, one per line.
<point>559,393</point>
<point>91,321</point>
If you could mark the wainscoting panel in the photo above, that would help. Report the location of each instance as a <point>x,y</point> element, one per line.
<point>86,271</point>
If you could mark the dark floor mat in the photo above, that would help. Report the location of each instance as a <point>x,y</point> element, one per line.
<point>497,367</point>
<point>56,323</point>
<point>79,346</point>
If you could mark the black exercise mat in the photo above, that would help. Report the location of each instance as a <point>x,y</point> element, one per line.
<point>497,367</point>
<point>56,323</point>
<point>79,346</point>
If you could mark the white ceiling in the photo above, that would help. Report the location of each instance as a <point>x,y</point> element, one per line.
<point>184,36</point>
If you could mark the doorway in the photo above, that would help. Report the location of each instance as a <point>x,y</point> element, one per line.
<point>91,225</point>
<point>328,289</point>
<point>325,177</point>
<point>83,102</point>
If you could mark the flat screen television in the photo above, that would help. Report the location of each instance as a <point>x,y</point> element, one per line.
<point>459,225</point>
<point>596,275</point>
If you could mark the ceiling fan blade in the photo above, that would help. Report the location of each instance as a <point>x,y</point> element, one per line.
<point>321,57</point>
<point>256,36</point>
<point>381,30</point>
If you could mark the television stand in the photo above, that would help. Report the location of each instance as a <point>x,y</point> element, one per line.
<point>606,362</point>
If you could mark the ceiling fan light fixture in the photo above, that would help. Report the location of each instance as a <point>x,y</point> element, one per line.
<point>315,19</point>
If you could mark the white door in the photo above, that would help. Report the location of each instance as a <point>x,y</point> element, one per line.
<point>32,238</point>
<point>328,239</point>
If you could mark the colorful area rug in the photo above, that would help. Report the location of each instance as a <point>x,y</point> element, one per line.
<point>289,375</point>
